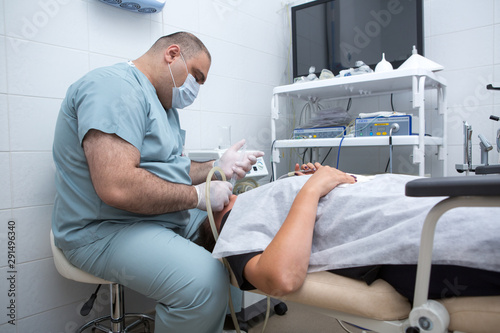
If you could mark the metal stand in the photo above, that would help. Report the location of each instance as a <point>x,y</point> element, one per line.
<point>118,316</point>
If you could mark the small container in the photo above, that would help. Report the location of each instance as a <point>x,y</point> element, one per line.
<point>383,65</point>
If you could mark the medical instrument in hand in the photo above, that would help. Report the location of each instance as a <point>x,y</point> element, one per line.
<point>295,173</point>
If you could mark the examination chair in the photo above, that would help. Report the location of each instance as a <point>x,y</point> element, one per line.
<point>117,318</point>
<point>380,308</point>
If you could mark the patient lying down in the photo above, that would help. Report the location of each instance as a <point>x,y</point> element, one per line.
<point>277,233</point>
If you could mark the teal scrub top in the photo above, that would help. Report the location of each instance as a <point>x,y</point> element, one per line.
<point>120,100</point>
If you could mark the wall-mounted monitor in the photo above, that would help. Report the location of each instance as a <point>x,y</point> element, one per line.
<point>334,34</point>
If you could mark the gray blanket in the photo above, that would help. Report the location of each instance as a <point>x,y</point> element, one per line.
<point>365,223</point>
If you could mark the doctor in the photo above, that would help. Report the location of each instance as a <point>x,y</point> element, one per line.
<point>128,202</point>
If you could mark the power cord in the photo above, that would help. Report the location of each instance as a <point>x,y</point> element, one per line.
<point>395,128</point>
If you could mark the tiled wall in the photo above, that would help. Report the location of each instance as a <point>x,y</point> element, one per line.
<point>464,37</point>
<point>45,45</point>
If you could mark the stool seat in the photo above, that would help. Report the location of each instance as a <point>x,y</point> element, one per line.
<point>117,299</point>
<point>66,269</point>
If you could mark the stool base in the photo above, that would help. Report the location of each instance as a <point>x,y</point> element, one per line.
<point>140,319</point>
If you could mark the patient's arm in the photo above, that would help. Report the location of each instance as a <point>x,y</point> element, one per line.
<point>282,267</point>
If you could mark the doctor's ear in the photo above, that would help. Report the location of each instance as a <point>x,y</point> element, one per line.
<point>172,52</point>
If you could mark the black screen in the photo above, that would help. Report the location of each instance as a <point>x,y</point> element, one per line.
<point>334,34</point>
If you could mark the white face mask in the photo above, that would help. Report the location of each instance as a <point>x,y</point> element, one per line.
<point>186,94</point>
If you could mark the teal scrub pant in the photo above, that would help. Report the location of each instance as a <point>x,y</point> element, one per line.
<point>189,286</point>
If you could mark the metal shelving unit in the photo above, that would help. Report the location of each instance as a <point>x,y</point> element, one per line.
<point>416,81</point>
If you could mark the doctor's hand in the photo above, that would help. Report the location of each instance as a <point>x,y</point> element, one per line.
<point>220,192</point>
<point>235,162</point>
<point>326,179</point>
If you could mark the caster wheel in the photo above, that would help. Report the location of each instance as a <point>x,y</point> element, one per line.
<point>243,326</point>
<point>280,309</point>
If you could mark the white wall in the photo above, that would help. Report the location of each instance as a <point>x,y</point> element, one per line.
<point>464,37</point>
<point>45,45</point>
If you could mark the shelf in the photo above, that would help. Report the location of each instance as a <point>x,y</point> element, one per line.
<point>360,85</point>
<point>414,81</point>
<point>400,140</point>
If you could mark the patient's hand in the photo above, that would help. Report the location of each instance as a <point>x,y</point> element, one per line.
<point>305,169</point>
<point>325,179</point>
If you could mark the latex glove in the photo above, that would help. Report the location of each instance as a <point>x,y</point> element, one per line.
<point>219,195</point>
<point>235,162</point>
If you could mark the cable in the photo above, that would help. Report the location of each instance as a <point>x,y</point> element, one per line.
<point>390,152</point>
<point>304,155</point>
<point>338,153</point>
<point>243,186</point>
<point>216,236</point>
<point>305,108</point>
<point>392,105</point>
<point>207,197</point>
<point>268,310</point>
<point>272,166</point>
<point>349,105</point>
<point>395,128</point>
<point>343,327</point>
<point>329,151</point>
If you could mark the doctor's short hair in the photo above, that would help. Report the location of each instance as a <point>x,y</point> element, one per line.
<point>189,44</point>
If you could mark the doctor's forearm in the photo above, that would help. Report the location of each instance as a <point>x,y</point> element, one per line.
<point>199,171</point>
<point>145,193</point>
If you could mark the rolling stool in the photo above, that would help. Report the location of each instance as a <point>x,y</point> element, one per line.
<point>117,299</point>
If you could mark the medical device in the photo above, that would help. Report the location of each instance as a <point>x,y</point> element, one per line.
<point>138,6</point>
<point>257,171</point>
<point>498,140</point>
<point>495,118</point>
<point>381,126</point>
<point>495,86</point>
<point>485,148</point>
<point>319,132</point>
<point>467,165</point>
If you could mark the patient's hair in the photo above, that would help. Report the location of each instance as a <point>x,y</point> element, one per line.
<point>205,236</point>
